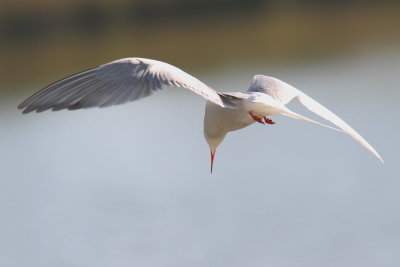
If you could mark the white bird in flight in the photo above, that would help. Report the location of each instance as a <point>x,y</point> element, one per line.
<point>130,79</point>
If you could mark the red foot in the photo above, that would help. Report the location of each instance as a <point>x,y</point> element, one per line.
<point>261,120</point>
<point>257,119</point>
<point>269,121</point>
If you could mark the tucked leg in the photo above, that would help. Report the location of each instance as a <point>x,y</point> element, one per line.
<point>268,120</point>
<point>257,119</point>
<point>261,120</point>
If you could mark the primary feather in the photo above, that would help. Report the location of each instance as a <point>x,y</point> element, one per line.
<point>116,83</point>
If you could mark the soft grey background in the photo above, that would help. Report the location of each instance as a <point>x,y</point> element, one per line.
<point>130,185</point>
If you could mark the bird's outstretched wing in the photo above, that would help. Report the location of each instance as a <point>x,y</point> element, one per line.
<point>284,93</point>
<point>115,83</point>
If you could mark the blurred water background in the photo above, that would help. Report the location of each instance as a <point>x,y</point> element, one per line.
<point>130,185</point>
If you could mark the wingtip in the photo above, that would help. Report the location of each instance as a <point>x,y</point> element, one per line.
<point>373,151</point>
<point>21,106</point>
<point>24,110</point>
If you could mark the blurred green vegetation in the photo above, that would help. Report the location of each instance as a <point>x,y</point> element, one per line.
<point>46,39</point>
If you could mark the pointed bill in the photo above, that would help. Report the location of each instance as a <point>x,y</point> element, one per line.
<point>212,159</point>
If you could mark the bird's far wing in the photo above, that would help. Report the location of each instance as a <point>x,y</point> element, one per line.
<point>328,115</point>
<point>115,83</point>
<point>284,93</point>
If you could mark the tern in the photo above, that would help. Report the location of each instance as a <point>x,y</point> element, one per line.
<point>130,79</point>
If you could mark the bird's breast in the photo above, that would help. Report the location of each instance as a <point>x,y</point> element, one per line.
<point>218,120</point>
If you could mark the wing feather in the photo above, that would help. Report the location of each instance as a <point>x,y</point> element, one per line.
<point>328,115</point>
<point>115,83</point>
<point>284,93</point>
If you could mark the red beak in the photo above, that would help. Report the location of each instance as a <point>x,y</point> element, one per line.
<point>212,159</point>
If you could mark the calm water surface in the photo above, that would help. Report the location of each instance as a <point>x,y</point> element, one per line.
<point>130,185</point>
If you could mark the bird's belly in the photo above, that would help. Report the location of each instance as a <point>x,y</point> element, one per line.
<point>219,119</point>
<point>238,120</point>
